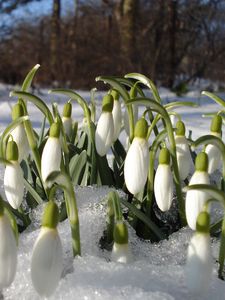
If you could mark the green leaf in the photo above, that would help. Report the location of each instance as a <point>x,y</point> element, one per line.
<point>36,101</point>
<point>42,132</point>
<point>140,215</point>
<point>29,78</point>
<point>77,164</point>
<point>214,97</point>
<point>146,81</point>
<point>179,104</point>
<point>33,192</point>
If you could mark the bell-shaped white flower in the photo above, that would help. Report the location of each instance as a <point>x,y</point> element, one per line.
<point>8,252</point>
<point>105,128</point>
<point>117,116</point>
<point>137,160</point>
<point>19,134</point>
<point>66,119</point>
<point>195,200</point>
<point>214,154</point>
<point>51,155</point>
<point>13,177</point>
<point>121,251</point>
<point>163,182</point>
<point>47,255</point>
<point>126,118</point>
<point>184,159</point>
<point>199,258</point>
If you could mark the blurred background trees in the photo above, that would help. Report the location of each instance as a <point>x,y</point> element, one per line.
<point>171,41</point>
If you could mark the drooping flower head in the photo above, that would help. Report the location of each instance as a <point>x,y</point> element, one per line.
<point>47,256</point>
<point>199,258</point>
<point>117,115</point>
<point>8,251</point>
<point>105,128</point>
<point>51,155</point>
<point>163,182</point>
<point>195,200</point>
<point>137,159</point>
<point>13,177</point>
<point>121,251</point>
<point>184,159</point>
<point>19,134</point>
<point>66,118</point>
<point>213,152</point>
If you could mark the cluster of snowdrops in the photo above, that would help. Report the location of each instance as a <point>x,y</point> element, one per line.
<point>153,169</point>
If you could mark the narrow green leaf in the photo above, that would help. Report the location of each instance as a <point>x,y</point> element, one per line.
<point>214,97</point>
<point>36,101</point>
<point>42,132</point>
<point>32,191</point>
<point>29,78</point>
<point>77,165</point>
<point>179,104</point>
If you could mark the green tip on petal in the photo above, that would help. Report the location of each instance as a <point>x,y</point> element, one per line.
<point>216,124</point>
<point>141,128</point>
<point>120,233</point>
<point>12,152</point>
<point>67,110</point>
<point>203,222</point>
<point>54,130</point>
<point>50,217</point>
<point>17,111</point>
<point>107,103</point>
<point>180,128</point>
<point>115,95</point>
<point>164,156</point>
<point>201,162</point>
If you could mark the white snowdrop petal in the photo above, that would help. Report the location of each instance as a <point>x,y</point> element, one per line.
<point>117,119</point>
<point>121,253</point>
<point>104,133</point>
<point>195,200</point>
<point>67,123</point>
<point>51,157</point>
<point>46,261</point>
<point>184,159</point>
<point>163,187</point>
<point>136,165</point>
<point>20,137</point>
<point>8,253</point>
<point>13,184</point>
<point>214,157</point>
<point>199,264</point>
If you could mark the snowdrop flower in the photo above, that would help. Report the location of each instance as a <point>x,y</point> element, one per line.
<point>137,159</point>
<point>195,200</point>
<point>199,258</point>
<point>51,155</point>
<point>184,159</point>
<point>8,251</point>
<point>163,183</point>
<point>213,152</point>
<point>47,255</point>
<point>13,177</point>
<point>19,134</point>
<point>104,133</point>
<point>66,118</point>
<point>121,251</point>
<point>117,115</point>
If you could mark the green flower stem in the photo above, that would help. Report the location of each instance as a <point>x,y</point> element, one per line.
<point>214,97</point>
<point>110,220</point>
<point>163,112</point>
<point>220,196</point>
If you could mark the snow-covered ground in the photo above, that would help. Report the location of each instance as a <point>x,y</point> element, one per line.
<point>157,272</point>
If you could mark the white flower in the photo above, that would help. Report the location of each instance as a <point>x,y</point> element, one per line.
<point>20,137</point>
<point>163,187</point>
<point>13,184</point>
<point>214,156</point>
<point>136,165</point>
<point>117,119</point>
<point>104,133</point>
<point>8,253</point>
<point>199,264</point>
<point>47,261</point>
<point>67,123</point>
<point>195,200</point>
<point>121,253</point>
<point>51,157</point>
<point>184,159</point>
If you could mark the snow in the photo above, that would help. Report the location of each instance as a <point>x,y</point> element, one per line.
<point>157,272</point>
